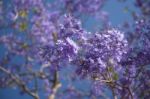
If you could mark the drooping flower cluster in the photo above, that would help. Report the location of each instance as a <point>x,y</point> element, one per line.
<point>100,52</point>
<point>18,46</point>
<point>63,45</point>
<point>137,60</point>
<point>144,6</point>
<point>83,6</point>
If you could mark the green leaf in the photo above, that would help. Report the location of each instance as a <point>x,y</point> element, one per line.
<point>23,26</point>
<point>115,76</point>
<point>23,13</point>
<point>110,69</point>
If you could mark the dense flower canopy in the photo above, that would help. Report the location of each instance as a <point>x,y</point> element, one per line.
<point>41,38</point>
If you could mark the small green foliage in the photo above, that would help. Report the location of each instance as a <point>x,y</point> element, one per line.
<point>23,13</point>
<point>25,46</point>
<point>23,26</point>
<point>110,69</point>
<point>115,76</point>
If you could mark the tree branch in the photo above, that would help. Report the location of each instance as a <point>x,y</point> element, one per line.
<point>20,83</point>
<point>55,87</point>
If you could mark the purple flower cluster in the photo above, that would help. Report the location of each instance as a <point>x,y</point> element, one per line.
<point>100,52</point>
<point>62,46</point>
<point>136,61</point>
<point>18,46</point>
<point>83,6</point>
<point>144,6</point>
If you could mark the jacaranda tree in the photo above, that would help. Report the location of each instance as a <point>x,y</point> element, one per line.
<point>41,40</point>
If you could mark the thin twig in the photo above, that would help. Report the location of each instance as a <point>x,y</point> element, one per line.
<point>20,83</point>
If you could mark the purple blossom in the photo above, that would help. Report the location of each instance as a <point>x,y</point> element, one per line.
<point>82,6</point>
<point>144,6</point>
<point>101,51</point>
<point>136,61</point>
<point>62,46</point>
